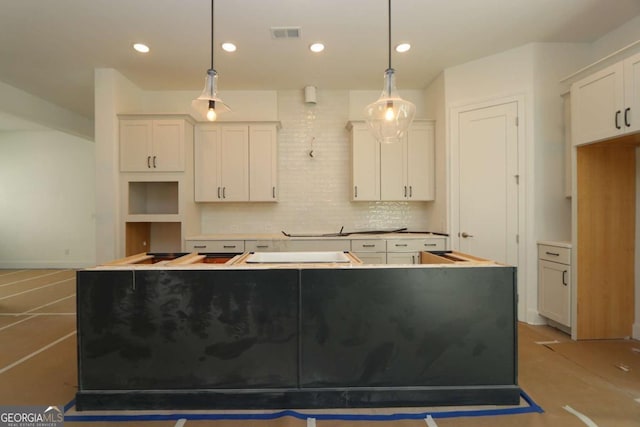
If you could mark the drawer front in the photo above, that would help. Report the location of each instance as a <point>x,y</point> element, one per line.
<point>554,253</point>
<point>317,245</point>
<point>262,246</point>
<point>415,245</point>
<point>371,245</point>
<point>221,246</point>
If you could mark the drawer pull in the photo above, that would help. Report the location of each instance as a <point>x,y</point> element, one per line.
<point>368,246</point>
<point>401,245</point>
<point>552,253</point>
<point>431,244</point>
<point>199,246</point>
<point>229,246</point>
<point>262,246</point>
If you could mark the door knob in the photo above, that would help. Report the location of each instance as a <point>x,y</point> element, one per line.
<point>465,234</point>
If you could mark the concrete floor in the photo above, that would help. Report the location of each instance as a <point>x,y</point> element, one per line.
<point>595,379</point>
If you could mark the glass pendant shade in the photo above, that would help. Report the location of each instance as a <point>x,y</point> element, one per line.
<point>208,105</point>
<point>390,116</point>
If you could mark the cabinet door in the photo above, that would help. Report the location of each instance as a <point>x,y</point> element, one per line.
<point>597,110</point>
<point>372,257</point>
<point>365,156</point>
<point>632,93</point>
<point>421,162</point>
<point>402,257</point>
<point>207,164</point>
<point>393,171</point>
<point>234,163</point>
<point>167,153</point>
<point>135,145</point>
<point>554,294</point>
<point>263,163</point>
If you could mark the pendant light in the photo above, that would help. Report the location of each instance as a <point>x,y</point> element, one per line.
<point>208,105</point>
<point>390,116</point>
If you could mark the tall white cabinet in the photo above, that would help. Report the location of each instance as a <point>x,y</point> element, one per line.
<point>402,171</point>
<point>236,162</point>
<point>156,183</point>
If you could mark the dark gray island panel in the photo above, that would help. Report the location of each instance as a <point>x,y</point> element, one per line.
<point>172,329</point>
<point>296,337</point>
<point>408,327</point>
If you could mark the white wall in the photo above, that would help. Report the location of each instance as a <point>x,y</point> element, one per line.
<point>113,93</point>
<point>29,107</point>
<point>532,72</point>
<point>616,39</point>
<point>437,213</point>
<point>314,193</point>
<point>47,197</point>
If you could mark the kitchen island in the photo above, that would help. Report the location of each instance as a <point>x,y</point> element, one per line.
<point>194,335</point>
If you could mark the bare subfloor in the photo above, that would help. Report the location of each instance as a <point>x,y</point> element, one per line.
<point>595,379</point>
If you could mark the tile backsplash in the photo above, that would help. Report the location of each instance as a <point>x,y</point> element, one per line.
<point>314,192</point>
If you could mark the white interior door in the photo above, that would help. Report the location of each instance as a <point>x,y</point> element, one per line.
<point>488,182</point>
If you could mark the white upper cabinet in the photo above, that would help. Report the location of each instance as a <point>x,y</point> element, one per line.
<point>263,163</point>
<point>235,162</point>
<point>394,172</point>
<point>632,92</point>
<point>152,145</point>
<point>605,104</point>
<point>421,162</point>
<point>365,156</point>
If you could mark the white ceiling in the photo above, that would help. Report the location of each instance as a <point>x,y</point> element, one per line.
<point>51,47</point>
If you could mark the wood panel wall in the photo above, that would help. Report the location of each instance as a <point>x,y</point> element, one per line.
<point>606,174</point>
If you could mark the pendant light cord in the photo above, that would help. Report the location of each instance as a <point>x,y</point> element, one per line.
<point>212,34</point>
<point>389,34</point>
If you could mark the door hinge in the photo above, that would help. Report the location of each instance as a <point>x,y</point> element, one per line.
<point>517,121</point>
<point>517,238</point>
<point>517,177</point>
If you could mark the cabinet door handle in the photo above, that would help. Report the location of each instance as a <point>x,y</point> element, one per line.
<point>405,191</point>
<point>149,162</point>
<point>552,253</point>
<point>224,192</point>
<point>218,192</point>
<point>564,278</point>
<point>617,117</point>
<point>410,191</point>
<point>154,162</point>
<point>273,192</point>
<point>413,259</point>
<point>355,191</point>
<point>626,117</point>
<point>200,246</point>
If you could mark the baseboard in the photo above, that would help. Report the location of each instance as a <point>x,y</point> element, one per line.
<point>534,318</point>
<point>31,264</point>
<point>636,331</point>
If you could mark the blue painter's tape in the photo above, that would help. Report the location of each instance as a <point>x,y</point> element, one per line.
<point>532,408</point>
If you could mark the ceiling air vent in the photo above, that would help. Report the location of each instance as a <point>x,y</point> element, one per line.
<point>285,32</point>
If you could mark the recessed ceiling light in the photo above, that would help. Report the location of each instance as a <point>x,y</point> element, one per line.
<point>316,47</point>
<point>142,48</point>
<point>229,47</point>
<point>403,47</point>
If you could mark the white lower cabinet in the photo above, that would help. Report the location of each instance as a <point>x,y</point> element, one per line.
<point>407,251</point>
<point>554,283</point>
<point>370,251</point>
<point>215,246</point>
